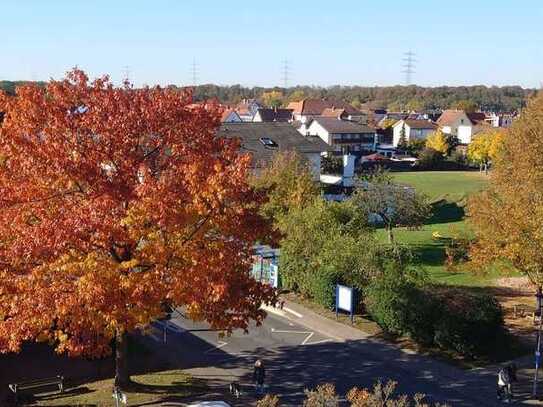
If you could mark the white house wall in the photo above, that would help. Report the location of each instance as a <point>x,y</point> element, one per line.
<point>315,129</point>
<point>464,134</point>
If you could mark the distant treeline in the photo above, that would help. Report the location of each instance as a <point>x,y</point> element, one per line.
<point>393,98</point>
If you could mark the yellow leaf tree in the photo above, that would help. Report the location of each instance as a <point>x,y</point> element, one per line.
<point>438,142</point>
<point>273,98</point>
<point>507,216</point>
<point>486,147</point>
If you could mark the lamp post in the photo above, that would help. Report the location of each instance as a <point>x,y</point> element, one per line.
<point>539,298</point>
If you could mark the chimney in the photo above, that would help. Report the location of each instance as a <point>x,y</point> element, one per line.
<point>348,170</point>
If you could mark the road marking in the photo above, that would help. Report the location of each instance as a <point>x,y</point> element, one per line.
<point>293,312</point>
<point>215,348</point>
<point>307,338</point>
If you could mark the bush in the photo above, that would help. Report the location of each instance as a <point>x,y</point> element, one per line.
<point>387,301</point>
<point>456,252</point>
<point>269,400</point>
<point>322,287</point>
<point>471,323</point>
<point>324,395</point>
<point>429,159</point>
<point>401,307</point>
<point>452,319</point>
<point>383,394</point>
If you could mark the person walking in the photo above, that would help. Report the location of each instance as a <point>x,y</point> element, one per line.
<point>504,384</point>
<point>259,373</point>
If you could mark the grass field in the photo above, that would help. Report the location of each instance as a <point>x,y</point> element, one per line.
<point>449,219</point>
<point>147,389</point>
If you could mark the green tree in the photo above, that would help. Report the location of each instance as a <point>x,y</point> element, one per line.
<point>273,98</point>
<point>429,159</point>
<point>402,142</point>
<point>469,106</point>
<point>324,243</point>
<point>296,96</point>
<point>414,105</point>
<point>331,165</point>
<point>415,146</point>
<point>288,183</point>
<point>394,204</point>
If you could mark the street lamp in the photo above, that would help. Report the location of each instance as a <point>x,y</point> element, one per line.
<point>539,298</point>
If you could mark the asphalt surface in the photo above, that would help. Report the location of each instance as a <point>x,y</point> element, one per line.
<point>297,358</point>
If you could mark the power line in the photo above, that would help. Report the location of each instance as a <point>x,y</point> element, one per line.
<point>409,64</point>
<point>194,72</point>
<point>285,73</point>
<point>126,74</point>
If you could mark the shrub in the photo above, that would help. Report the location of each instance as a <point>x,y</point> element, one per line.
<point>456,251</point>
<point>429,159</point>
<point>387,301</point>
<point>324,395</point>
<point>470,324</point>
<point>384,395</point>
<point>322,287</point>
<point>453,319</point>
<point>401,307</point>
<point>269,400</point>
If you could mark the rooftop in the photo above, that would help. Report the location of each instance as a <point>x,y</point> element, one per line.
<point>317,106</point>
<point>264,139</point>
<point>275,115</point>
<point>420,124</point>
<point>337,126</point>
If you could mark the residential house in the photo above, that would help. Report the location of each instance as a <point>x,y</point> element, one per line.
<point>310,108</point>
<point>265,139</point>
<point>230,116</point>
<point>273,115</point>
<point>461,124</point>
<point>500,119</point>
<point>412,129</point>
<point>345,137</point>
<point>247,109</point>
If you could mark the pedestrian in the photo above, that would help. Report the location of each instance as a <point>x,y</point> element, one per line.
<point>504,384</point>
<point>259,374</point>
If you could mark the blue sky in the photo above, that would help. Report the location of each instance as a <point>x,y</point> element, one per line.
<point>491,42</point>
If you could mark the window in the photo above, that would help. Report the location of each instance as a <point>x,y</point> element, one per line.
<point>268,142</point>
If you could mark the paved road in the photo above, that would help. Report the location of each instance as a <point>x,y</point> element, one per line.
<point>298,358</point>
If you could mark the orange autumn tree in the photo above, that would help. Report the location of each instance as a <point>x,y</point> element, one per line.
<point>112,202</point>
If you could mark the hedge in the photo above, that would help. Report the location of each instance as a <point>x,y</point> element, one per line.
<point>451,319</point>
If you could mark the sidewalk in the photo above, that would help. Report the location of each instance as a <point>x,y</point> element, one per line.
<point>481,382</point>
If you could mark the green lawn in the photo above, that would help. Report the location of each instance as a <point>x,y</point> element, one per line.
<point>454,186</point>
<point>150,388</point>
<point>448,220</point>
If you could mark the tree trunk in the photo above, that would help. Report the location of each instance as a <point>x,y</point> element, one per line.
<point>486,169</point>
<point>122,378</point>
<point>390,235</point>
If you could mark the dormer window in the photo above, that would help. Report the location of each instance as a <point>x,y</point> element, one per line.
<point>268,142</point>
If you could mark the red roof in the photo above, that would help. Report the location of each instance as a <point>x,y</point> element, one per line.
<point>315,107</point>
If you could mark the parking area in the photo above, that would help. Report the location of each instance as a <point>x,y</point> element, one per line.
<point>275,333</point>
